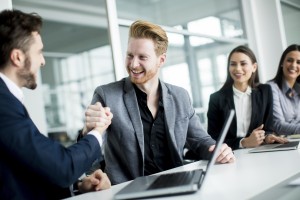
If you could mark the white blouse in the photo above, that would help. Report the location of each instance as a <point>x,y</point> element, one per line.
<point>243,105</point>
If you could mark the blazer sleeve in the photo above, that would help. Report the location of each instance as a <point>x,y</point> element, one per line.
<point>218,109</point>
<point>24,145</point>
<point>268,117</point>
<point>215,122</point>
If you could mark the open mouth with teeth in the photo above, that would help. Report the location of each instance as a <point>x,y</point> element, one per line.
<point>136,73</point>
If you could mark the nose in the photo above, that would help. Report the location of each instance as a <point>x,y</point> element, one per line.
<point>134,62</point>
<point>294,63</point>
<point>238,67</point>
<point>43,63</point>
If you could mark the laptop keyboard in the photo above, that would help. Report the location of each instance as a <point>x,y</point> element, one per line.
<point>173,179</point>
<point>289,144</point>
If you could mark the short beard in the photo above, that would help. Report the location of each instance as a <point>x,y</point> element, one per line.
<point>148,76</point>
<point>26,76</point>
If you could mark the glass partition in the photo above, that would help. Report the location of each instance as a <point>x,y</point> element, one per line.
<point>201,34</point>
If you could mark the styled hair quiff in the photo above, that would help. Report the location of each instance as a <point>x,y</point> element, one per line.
<point>144,29</point>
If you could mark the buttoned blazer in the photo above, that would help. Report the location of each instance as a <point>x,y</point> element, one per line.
<point>124,146</point>
<point>33,166</point>
<point>222,101</point>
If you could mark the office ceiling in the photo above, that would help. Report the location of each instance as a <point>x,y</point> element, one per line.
<point>69,26</point>
<point>73,26</point>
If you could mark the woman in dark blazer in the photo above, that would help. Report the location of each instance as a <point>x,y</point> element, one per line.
<point>252,102</point>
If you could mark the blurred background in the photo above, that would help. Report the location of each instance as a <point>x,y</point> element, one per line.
<point>85,43</point>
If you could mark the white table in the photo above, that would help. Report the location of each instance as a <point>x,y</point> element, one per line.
<point>250,175</point>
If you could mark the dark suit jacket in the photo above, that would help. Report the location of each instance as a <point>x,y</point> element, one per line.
<point>222,101</point>
<point>124,148</point>
<point>31,165</point>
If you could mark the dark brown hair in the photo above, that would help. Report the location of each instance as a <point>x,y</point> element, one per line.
<point>279,75</point>
<point>16,30</point>
<point>254,79</point>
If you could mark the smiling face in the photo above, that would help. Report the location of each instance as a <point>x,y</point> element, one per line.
<point>142,63</point>
<point>33,60</point>
<point>291,66</point>
<point>241,69</point>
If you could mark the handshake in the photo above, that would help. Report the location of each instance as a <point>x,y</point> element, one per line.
<point>97,118</point>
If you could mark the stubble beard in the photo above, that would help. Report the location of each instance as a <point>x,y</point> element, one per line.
<point>27,76</point>
<point>148,76</point>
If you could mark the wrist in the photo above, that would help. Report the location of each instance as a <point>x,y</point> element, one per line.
<point>266,136</point>
<point>76,187</point>
<point>243,142</point>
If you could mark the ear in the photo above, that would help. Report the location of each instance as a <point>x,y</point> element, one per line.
<point>162,59</point>
<point>17,57</point>
<point>254,67</point>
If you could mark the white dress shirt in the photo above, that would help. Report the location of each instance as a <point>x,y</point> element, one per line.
<point>13,88</point>
<point>243,105</point>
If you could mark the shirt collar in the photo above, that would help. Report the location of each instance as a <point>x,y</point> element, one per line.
<point>143,96</point>
<point>13,88</point>
<point>285,86</point>
<point>297,88</point>
<point>286,89</point>
<point>240,94</point>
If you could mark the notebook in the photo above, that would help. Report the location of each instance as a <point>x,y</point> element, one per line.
<point>176,183</point>
<point>292,145</point>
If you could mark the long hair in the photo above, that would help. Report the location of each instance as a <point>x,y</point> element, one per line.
<point>144,29</point>
<point>16,30</point>
<point>254,79</point>
<point>279,75</point>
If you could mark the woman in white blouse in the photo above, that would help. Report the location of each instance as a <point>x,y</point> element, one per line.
<point>252,102</point>
<point>286,92</point>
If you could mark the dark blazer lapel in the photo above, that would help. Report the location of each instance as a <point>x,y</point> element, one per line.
<point>134,113</point>
<point>229,101</point>
<point>229,104</point>
<point>256,101</point>
<point>169,112</point>
<point>5,89</point>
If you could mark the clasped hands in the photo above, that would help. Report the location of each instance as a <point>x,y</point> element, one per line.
<point>97,118</point>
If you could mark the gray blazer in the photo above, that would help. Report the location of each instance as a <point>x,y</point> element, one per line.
<point>124,144</point>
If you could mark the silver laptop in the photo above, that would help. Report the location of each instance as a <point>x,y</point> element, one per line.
<point>173,183</point>
<point>292,145</point>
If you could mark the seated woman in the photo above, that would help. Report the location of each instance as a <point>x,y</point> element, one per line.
<point>251,101</point>
<point>286,92</point>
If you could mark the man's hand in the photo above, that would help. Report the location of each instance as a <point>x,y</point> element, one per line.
<point>97,117</point>
<point>225,155</point>
<point>95,182</point>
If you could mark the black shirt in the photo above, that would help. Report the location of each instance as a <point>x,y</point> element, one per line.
<point>157,153</point>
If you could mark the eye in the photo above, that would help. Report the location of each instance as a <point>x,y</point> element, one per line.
<point>143,57</point>
<point>232,64</point>
<point>129,56</point>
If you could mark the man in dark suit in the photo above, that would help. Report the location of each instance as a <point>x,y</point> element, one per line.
<point>31,165</point>
<point>153,120</point>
